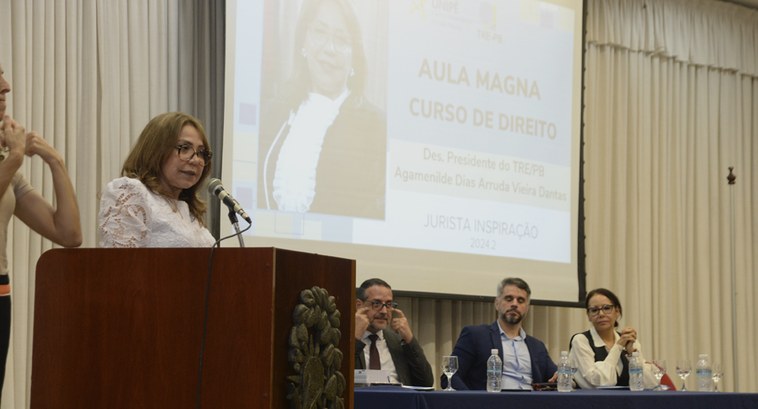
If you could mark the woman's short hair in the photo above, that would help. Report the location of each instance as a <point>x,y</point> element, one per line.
<point>608,294</point>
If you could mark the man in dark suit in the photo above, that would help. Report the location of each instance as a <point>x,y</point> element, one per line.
<point>378,321</point>
<point>525,358</point>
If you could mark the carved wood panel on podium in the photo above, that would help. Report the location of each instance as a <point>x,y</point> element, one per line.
<point>123,328</point>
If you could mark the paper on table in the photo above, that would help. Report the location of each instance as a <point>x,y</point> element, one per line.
<point>372,376</point>
<point>419,388</point>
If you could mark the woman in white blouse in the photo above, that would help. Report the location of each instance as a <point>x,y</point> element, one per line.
<point>600,354</point>
<point>155,202</point>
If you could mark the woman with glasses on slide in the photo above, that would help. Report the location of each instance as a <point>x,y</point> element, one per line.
<point>600,353</point>
<point>322,143</point>
<point>155,203</point>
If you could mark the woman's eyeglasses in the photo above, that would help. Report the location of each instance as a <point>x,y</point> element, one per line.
<point>606,309</point>
<point>320,36</point>
<point>187,152</point>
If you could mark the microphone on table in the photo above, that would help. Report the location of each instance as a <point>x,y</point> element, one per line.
<point>217,189</point>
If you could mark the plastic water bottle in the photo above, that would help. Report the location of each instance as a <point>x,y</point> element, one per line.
<point>494,371</point>
<point>703,374</point>
<point>564,373</point>
<point>635,373</point>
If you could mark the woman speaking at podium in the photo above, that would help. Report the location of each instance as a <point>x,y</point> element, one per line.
<point>155,202</point>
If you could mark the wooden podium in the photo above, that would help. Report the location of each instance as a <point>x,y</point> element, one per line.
<point>123,328</point>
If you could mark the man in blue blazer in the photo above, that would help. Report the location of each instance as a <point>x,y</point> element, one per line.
<point>397,350</point>
<point>525,358</point>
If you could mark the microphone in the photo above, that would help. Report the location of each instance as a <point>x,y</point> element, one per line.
<point>217,189</point>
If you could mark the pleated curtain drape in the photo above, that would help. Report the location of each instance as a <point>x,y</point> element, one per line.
<point>88,75</point>
<point>670,100</point>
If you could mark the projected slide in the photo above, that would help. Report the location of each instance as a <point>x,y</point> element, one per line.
<point>435,142</point>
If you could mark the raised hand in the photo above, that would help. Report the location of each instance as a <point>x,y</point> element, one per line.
<point>401,326</point>
<point>13,135</point>
<point>37,145</point>
<point>361,321</point>
<point>627,339</point>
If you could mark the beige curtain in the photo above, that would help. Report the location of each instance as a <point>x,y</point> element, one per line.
<point>670,99</point>
<point>88,75</point>
<point>671,96</point>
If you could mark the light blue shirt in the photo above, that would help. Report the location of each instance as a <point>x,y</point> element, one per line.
<point>517,363</point>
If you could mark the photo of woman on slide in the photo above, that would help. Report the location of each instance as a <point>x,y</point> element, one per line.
<point>322,143</point>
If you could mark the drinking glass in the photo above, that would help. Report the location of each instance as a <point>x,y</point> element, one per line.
<point>717,373</point>
<point>449,366</point>
<point>683,369</point>
<point>659,369</point>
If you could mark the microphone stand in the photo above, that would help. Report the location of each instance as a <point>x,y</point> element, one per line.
<point>236,224</point>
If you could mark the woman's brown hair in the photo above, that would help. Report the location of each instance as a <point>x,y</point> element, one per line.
<point>156,142</point>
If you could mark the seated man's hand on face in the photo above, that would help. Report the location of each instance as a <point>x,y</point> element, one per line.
<point>361,322</point>
<point>400,325</point>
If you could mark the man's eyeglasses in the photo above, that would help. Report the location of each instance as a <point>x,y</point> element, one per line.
<point>606,309</point>
<point>187,152</point>
<point>377,305</point>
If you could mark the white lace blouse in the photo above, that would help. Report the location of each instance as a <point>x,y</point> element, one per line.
<point>132,216</point>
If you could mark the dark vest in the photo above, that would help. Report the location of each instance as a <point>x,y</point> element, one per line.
<point>601,353</point>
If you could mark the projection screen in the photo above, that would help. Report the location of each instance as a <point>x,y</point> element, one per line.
<point>435,142</point>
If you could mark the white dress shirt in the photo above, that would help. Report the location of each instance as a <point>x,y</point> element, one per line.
<point>384,354</point>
